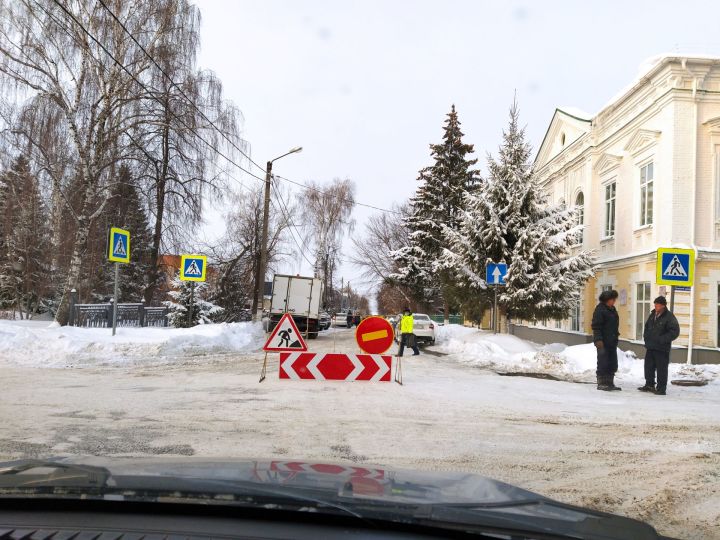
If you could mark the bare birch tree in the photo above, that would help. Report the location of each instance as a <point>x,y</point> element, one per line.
<point>327,217</point>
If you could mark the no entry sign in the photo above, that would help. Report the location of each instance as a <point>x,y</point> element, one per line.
<point>335,366</point>
<point>374,335</point>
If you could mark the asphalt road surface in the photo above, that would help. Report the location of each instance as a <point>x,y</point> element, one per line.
<point>658,461</point>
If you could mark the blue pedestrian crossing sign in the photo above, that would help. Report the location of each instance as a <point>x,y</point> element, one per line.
<point>119,245</point>
<point>675,266</point>
<point>193,267</point>
<point>495,273</point>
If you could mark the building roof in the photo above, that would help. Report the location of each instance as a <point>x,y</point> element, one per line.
<point>646,71</point>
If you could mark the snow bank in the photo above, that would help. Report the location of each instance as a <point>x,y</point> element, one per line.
<point>52,346</point>
<point>504,353</point>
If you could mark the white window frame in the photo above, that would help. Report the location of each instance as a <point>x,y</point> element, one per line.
<point>575,317</point>
<point>580,208</point>
<point>643,299</point>
<point>607,202</point>
<point>646,215</point>
<point>717,314</point>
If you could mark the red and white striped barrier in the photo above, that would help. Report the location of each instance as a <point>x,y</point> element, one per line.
<point>335,366</point>
<point>326,468</point>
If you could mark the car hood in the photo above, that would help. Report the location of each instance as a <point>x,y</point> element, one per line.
<point>368,481</point>
<point>358,489</point>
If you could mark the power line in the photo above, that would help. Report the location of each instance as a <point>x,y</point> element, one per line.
<point>173,83</point>
<point>152,94</point>
<point>286,213</point>
<point>144,87</point>
<point>317,190</point>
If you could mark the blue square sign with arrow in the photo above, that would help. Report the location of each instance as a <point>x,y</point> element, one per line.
<point>495,273</point>
<point>193,267</point>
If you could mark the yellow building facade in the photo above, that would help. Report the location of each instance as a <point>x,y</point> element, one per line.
<point>644,172</point>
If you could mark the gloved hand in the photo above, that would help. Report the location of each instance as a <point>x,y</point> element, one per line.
<point>599,344</point>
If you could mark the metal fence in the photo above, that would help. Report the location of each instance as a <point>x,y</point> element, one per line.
<point>133,315</point>
<point>453,319</point>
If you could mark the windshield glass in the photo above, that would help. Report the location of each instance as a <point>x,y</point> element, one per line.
<point>214,215</point>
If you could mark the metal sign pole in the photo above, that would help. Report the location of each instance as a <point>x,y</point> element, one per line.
<point>192,303</point>
<point>672,298</point>
<point>115,303</point>
<point>495,312</point>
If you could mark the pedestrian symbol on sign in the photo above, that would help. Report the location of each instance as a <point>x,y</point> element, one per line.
<point>193,267</point>
<point>675,268</point>
<point>119,245</point>
<point>120,250</point>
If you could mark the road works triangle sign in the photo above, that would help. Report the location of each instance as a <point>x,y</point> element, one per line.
<point>285,337</point>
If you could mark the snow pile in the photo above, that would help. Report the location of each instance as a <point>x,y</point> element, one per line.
<point>505,353</point>
<point>53,346</point>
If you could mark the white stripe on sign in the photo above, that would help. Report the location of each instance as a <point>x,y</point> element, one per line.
<point>288,365</point>
<point>313,367</point>
<point>382,367</point>
<point>359,367</point>
<point>377,334</point>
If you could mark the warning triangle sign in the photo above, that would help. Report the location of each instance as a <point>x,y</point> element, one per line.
<point>119,250</point>
<point>285,336</point>
<point>675,268</point>
<point>193,269</point>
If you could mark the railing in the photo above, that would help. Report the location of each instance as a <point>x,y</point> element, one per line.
<point>452,319</point>
<point>129,315</point>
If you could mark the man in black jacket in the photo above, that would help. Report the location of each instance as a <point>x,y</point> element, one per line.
<point>661,329</point>
<point>605,326</point>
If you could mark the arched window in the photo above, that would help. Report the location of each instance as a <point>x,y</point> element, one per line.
<point>580,208</point>
<point>562,139</point>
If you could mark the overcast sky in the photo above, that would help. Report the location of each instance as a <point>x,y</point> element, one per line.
<point>364,86</point>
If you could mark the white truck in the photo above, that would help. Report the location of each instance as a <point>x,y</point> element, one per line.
<point>301,297</point>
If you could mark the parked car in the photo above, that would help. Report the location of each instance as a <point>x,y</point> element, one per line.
<point>341,318</point>
<point>423,328</point>
<point>324,322</point>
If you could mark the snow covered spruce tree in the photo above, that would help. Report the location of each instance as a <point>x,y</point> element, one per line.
<point>508,220</point>
<point>125,209</point>
<point>24,246</point>
<point>437,207</point>
<point>203,311</point>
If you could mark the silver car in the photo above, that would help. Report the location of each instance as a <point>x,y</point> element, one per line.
<point>423,328</point>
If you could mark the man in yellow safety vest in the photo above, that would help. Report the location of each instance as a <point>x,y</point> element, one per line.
<point>406,333</point>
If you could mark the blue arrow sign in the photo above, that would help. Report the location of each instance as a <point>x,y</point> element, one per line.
<point>495,273</point>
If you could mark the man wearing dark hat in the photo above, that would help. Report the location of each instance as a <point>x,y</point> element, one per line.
<point>661,329</point>
<point>605,326</point>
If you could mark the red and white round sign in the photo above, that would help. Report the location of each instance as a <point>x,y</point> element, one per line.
<point>374,335</point>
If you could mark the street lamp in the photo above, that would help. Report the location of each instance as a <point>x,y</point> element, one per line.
<point>260,285</point>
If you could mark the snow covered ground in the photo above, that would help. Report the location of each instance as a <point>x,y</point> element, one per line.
<point>508,354</point>
<point>165,392</point>
<point>41,344</point>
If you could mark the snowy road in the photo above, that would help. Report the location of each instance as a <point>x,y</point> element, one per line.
<point>654,458</point>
